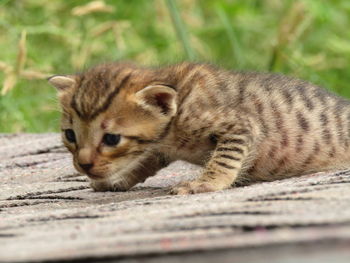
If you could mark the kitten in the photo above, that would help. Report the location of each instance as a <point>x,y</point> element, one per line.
<point>122,123</point>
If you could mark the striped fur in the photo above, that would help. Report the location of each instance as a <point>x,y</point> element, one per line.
<point>242,127</point>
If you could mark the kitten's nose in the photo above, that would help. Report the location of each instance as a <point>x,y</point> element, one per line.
<point>86,166</point>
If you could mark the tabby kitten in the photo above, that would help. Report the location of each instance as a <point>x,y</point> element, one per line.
<point>123,123</point>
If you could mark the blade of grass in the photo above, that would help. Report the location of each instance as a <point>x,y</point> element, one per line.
<point>180,29</point>
<point>231,34</point>
<point>288,32</point>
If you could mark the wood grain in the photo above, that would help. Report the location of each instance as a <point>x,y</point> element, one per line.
<point>49,213</point>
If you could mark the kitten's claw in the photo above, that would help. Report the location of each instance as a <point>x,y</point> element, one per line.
<point>193,187</point>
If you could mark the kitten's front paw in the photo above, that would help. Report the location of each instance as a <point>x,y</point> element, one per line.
<point>193,187</point>
<point>103,186</point>
<point>100,186</point>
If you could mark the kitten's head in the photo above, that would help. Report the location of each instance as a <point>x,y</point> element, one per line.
<point>112,115</point>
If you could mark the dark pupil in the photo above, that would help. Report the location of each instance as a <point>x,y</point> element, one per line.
<point>70,135</point>
<point>111,139</point>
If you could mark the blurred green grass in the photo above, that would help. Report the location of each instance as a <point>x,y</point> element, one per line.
<point>307,39</point>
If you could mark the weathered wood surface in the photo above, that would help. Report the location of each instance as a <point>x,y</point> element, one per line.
<point>48,212</point>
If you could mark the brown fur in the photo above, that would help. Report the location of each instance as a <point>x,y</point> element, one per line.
<point>242,127</point>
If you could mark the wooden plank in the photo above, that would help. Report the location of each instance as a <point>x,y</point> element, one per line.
<point>48,212</point>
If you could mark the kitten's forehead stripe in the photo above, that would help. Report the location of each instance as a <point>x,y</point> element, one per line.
<point>97,91</point>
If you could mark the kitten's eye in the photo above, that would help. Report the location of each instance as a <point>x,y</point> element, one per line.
<point>111,139</point>
<point>70,135</point>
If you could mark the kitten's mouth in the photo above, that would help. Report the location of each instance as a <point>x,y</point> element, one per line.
<point>94,176</point>
<point>91,175</point>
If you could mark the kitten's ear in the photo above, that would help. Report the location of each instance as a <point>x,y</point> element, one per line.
<point>62,83</point>
<point>158,97</point>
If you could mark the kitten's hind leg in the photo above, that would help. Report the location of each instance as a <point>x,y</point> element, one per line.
<point>231,155</point>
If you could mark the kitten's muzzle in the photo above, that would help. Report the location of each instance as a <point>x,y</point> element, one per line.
<point>86,168</point>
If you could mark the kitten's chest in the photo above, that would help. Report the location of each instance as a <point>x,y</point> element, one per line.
<point>189,145</point>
